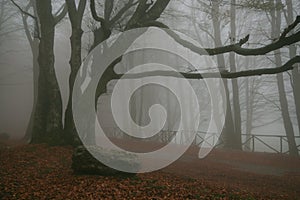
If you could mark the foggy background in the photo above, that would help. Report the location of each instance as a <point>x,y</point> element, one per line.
<point>16,84</point>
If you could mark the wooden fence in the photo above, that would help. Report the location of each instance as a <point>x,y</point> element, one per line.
<point>249,142</point>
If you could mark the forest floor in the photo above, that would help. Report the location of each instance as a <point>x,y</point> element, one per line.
<point>44,172</point>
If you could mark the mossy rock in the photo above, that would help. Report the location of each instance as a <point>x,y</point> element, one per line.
<point>83,162</point>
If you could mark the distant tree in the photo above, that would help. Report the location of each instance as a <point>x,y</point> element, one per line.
<point>31,29</point>
<point>47,125</point>
<point>7,15</point>
<point>231,133</point>
<point>236,110</point>
<point>295,72</point>
<point>287,122</point>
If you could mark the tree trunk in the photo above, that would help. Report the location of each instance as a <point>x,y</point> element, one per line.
<point>249,109</point>
<point>47,125</point>
<point>228,134</point>
<point>75,62</point>
<point>75,15</point>
<point>100,35</point>
<point>35,69</point>
<point>34,42</point>
<point>295,72</point>
<point>235,87</point>
<point>276,23</point>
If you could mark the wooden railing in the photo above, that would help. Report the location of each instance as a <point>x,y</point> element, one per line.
<point>250,143</point>
<point>259,138</point>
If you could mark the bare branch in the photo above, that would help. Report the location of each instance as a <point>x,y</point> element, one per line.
<point>81,8</point>
<point>76,14</point>
<point>108,7</point>
<point>137,15</point>
<point>71,10</point>
<point>23,11</point>
<point>122,11</point>
<point>156,10</point>
<point>59,16</point>
<point>237,47</point>
<point>94,13</point>
<point>26,28</point>
<point>290,27</point>
<point>60,10</point>
<point>227,75</point>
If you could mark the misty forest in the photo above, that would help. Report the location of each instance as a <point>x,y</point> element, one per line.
<point>149,99</point>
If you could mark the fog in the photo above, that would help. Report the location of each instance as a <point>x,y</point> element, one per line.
<point>16,84</point>
<point>142,99</point>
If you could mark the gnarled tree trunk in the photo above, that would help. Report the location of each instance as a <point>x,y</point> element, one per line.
<point>75,15</point>
<point>47,125</point>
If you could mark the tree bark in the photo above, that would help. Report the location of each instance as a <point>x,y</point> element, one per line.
<point>75,15</point>
<point>234,82</point>
<point>138,19</point>
<point>35,69</point>
<point>249,110</point>
<point>295,72</point>
<point>276,24</point>
<point>47,125</point>
<point>34,41</point>
<point>228,135</point>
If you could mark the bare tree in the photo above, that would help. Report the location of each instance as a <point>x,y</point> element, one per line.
<point>295,72</point>
<point>142,13</point>
<point>109,21</point>
<point>282,40</point>
<point>33,38</point>
<point>235,87</point>
<point>230,138</point>
<point>75,16</point>
<point>47,125</point>
<point>276,24</point>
